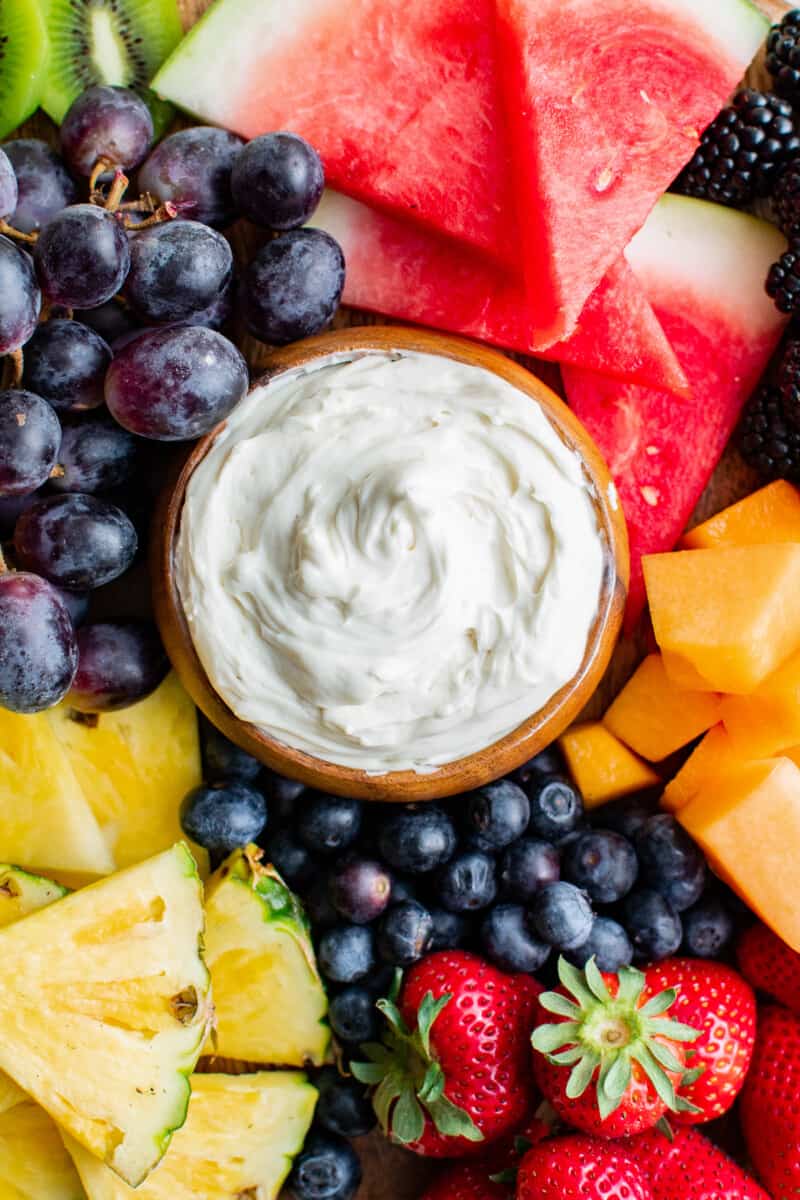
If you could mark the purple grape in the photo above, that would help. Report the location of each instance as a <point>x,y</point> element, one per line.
<point>277,181</point>
<point>177,269</point>
<point>95,455</point>
<point>176,383</point>
<point>293,286</point>
<point>219,311</point>
<point>360,889</point>
<point>111,320</point>
<point>20,298</point>
<point>29,439</point>
<point>38,647</point>
<point>106,124</point>
<point>66,362</point>
<point>44,184</point>
<point>11,509</point>
<point>82,257</point>
<point>192,170</point>
<point>77,604</point>
<point>8,186</point>
<point>117,665</point>
<point>76,542</point>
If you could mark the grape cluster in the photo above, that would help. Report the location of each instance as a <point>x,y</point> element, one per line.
<point>112,315</point>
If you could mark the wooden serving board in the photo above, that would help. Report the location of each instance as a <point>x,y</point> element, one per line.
<point>389,1172</point>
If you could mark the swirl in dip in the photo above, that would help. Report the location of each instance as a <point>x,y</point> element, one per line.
<point>389,562</point>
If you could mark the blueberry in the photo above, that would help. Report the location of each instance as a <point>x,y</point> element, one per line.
<point>450,930</point>
<point>670,861</point>
<point>547,762</point>
<point>346,953</point>
<point>327,824</point>
<point>608,944</point>
<point>561,915</point>
<point>467,883</point>
<point>508,941</point>
<point>353,1015</point>
<point>417,839</point>
<point>403,889</point>
<point>405,933</point>
<point>327,1168</point>
<point>223,816</point>
<point>627,816</point>
<point>603,863</point>
<point>527,867</point>
<point>498,813</point>
<point>318,904</point>
<point>708,928</point>
<point>222,760</point>
<point>652,924</point>
<point>556,807</point>
<point>291,859</point>
<point>360,890</point>
<point>282,795</point>
<point>344,1105</point>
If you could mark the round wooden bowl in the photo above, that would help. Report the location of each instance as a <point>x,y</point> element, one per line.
<point>490,762</point>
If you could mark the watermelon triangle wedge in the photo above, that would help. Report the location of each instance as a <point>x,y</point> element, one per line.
<point>703,268</point>
<point>398,269</point>
<point>605,101</point>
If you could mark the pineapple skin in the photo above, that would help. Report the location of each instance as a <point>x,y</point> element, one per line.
<point>22,893</point>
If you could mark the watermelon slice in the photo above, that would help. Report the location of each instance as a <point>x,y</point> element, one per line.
<point>605,101</point>
<point>702,267</point>
<point>398,269</point>
<point>399,97</point>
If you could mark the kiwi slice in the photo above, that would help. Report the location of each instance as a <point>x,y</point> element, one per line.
<point>23,51</point>
<point>120,42</point>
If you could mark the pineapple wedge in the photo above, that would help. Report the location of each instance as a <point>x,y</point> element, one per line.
<point>104,1009</point>
<point>135,767</point>
<point>22,894</point>
<point>45,820</point>
<point>34,1164</point>
<point>270,1004</point>
<point>240,1137</point>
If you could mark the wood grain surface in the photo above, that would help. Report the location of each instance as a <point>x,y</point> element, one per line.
<point>389,1172</point>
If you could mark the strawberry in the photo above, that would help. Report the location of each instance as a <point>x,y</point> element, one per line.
<point>453,1071</point>
<point>716,1000</point>
<point>612,1061</point>
<point>690,1166</point>
<point>770,1106</point>
<point>578,1167</point>
<point>467,1181</point>
<point>770,965</point>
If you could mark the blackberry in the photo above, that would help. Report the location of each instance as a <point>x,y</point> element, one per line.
<point>783,280</point>
<point>783,55</point>
<point>769,435</point>
<point>743,151</point>
<point>786,198</point>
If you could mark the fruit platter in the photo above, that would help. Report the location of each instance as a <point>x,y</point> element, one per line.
<point>399,561</point>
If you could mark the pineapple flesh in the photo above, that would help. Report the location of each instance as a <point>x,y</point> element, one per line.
<point>135,766</point>
<point>270,1004</point>
<point>22,893</point>
<point>34,1164</point>
<point>45,820</point>
<point>104,1009</point>
<point>240,1137</point>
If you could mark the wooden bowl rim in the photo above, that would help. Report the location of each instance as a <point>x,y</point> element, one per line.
<point>483,765</point>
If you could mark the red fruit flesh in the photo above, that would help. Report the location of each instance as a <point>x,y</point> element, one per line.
<point>580,1168</point>
<point>770,1105</point>
<point>605,103</point>
<point>396,268</point>
<point>770,965</point>
<point>716,1000</point>
<point>690,1167</point>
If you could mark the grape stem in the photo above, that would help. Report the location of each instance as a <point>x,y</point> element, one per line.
<point>164,212</point>
<point>17,234</point>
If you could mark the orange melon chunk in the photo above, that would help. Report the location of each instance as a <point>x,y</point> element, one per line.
<point>602,767</point>
<point>772,514</point>
<point>748,825</point>
<point>728,616</point>
<point>654,717</point>
<point>717,755</point>
<point>769,718</point>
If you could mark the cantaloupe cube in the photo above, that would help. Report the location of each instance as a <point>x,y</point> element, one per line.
<point>748,825</point>
<point>772,514</point>
<point>602,767</point>
<point>716,756</point>
<point>731,614</point>
<point>654,717</point>
<point>769,718</point>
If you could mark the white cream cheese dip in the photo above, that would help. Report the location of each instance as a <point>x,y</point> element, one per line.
<point>389,562</point>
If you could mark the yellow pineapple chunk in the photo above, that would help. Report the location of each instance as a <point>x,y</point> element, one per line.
<point>22,893</point>
<point>240,1137</point>
<point>45,820</point>
<point>104,1009</point>
<point>34,1164</point>
<point>135,767</point>
<point>270,1004</point>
